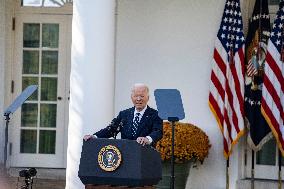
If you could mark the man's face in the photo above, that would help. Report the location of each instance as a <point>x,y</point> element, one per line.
<point>140,98</point>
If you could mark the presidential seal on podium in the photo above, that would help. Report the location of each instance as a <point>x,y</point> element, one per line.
<point>109,158</point>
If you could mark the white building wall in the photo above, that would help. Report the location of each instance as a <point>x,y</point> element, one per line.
<point>169,44</point>
<point>7,48</point>
<point>2,73</point>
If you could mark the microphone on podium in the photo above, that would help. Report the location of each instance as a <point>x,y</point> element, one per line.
<point>118,129</point>
<point>112,124</point>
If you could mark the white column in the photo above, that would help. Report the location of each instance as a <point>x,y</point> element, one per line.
<point>92,77</point>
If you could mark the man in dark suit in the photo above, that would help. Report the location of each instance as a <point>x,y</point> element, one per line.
<point>140,123</point>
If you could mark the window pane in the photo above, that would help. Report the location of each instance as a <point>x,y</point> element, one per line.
<point>28,141</point>
<point>273,2</point>
<point>50,35</point>
<point>48,89</point>
<point>29,115</point>
<point>45,3</point>
<point>34,3</point>
<point>54,3</point>
<point>266,156</point>
<point>27,81</point>
<point>47,142</point>
<point>30,62</point>
<point>31,35</point>
<point>48,115</point>
<point>49,62</point>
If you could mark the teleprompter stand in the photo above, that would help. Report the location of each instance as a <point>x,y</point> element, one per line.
<point>12,108</point>
<point>170,107</point>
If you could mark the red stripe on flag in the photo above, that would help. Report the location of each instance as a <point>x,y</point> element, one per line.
<point>239,95</point>
<point>274,67</point>
<point>226,148</point>
<point>272,122</point>
<point>229,127</point>
<point>238,85</point>
<point>219,61</point>
<point>273,93</point>
<point>214,104</point>
<point>231,102</point>
<point>218,85</point>
<point>242,61</point>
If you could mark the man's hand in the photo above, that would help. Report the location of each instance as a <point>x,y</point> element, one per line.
<point>143,140</point>
<point>88,137</point>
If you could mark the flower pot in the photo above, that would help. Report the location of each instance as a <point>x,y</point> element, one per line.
<point>181,174</point>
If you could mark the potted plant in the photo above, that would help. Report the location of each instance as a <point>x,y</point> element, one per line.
<point>191,146</point>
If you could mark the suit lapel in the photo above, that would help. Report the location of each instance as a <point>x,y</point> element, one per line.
<point>130,117</point>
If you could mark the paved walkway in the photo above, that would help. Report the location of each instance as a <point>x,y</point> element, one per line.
<point>16,183</point>
<point>9,182</point>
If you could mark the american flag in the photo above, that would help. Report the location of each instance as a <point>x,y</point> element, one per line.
<point>272,103</point>
<point>226,95</point>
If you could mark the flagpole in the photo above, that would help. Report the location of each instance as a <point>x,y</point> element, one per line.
<point>231,61</point>
<point>252,170</point>
<point>258,58</point>
<point>279,170</point>
<point>260,32</point>
<point>227,174</point>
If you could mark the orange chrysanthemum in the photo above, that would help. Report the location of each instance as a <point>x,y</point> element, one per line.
<point>191,143</point>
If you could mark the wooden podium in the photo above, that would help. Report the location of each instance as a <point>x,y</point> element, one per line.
<point>119,163</point>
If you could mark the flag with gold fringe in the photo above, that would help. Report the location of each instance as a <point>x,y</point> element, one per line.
<point>256,48</point>
<point>272,102</point>
<point>226,95</point>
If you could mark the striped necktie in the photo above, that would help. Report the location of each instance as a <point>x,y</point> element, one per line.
<point>135,124</point>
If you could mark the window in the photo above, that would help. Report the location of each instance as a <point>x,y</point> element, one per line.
<point>45,3</point>
<point>40,67</point>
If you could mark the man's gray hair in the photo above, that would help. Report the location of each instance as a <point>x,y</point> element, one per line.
<point>138,85</point>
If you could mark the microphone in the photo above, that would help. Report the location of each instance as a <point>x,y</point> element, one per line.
<point>112,123</point>
<point>118,129</point>
<point>120,126</point>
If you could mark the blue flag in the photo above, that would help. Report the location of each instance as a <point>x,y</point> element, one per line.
<point>256,48</point>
